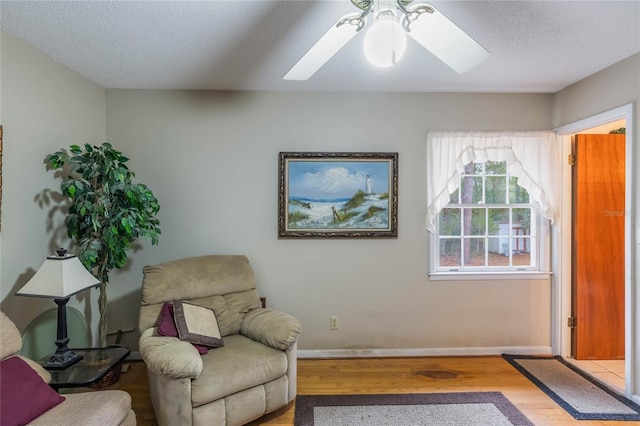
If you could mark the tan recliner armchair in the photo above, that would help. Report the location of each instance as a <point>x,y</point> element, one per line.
<point>99,408</point>
<point>253,374</point>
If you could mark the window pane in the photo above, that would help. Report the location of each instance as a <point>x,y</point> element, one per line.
<point>499,251</point>
<point>454,198</point>
<point>473,168</point>
<point>517,194</point>
<point>449,221</point>
<point>498,222</point>
<point>496,190</point>
<point>471,190</point>
<point>450,252</point>
<point>474,252</point>
<point>496,168</point>
<point>521,251</point>
<point>474,221</point>
<point>521,221</point>
<point>521,245</point>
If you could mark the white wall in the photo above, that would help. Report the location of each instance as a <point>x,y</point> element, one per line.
<point>211,158</point>
<point>45,107</point>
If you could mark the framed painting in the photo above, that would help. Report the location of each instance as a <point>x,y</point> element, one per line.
<point>338,195</point>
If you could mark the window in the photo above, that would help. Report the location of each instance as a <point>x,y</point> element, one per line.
<point>491,197</point>
<point>490,223</point>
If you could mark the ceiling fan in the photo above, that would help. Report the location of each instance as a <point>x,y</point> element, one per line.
<point>385,41</point>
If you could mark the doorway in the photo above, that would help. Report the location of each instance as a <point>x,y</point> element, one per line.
<point>561,294</point>
<point>598,252</point>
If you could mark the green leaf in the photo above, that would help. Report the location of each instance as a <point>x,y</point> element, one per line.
<point>126,225</point>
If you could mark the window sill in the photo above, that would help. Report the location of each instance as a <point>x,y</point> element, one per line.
<point>489,276</point>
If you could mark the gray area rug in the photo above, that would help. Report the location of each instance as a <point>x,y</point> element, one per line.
<point>442,409</point>
<point>574,390</point>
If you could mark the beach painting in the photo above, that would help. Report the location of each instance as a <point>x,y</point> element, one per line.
<point>338,195</point>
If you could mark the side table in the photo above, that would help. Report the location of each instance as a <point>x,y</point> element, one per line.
<point>94,366</point>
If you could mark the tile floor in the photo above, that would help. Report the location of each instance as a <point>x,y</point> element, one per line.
<point>611,373</point>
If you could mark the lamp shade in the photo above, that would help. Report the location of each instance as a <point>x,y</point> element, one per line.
<point>59,276</point>
<point>386,41</point>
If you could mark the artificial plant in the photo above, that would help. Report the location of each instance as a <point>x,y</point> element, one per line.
<point>108,211</point>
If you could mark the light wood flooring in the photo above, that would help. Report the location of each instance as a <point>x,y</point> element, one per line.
<point>392,375</point>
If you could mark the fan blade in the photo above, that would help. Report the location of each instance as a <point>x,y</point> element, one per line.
<point>328,45</point>
<point>447,41</point>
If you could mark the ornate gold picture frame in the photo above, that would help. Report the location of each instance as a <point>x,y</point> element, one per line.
<point>338,195</point>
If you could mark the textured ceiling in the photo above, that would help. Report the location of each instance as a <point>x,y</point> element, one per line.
<point>536,46</point>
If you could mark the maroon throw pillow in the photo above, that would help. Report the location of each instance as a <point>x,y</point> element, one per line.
<point>167,326</point>
<point>24,396</point>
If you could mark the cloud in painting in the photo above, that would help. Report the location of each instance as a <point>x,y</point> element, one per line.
<point>334,182</point>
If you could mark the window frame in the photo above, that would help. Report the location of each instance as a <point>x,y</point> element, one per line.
<point>541,253</point>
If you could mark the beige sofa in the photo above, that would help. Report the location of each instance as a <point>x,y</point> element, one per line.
<point>100,408</point>
<point>253,374</point>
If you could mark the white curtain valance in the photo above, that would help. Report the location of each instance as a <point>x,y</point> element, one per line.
<point>532,157</point>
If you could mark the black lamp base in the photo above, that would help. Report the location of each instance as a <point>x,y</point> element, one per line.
<point>60,361</point>
<point>63,356</point>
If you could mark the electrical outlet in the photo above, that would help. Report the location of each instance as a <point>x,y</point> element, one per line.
<point>334,323</point>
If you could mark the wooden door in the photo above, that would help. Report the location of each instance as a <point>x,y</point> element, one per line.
<point>598,247</point>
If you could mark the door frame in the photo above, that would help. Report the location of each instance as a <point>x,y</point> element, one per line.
<point>561,293</point>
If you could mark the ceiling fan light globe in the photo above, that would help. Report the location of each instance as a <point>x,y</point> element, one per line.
<point>385,43</point>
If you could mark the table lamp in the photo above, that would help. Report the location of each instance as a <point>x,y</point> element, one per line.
<point>59,278</point>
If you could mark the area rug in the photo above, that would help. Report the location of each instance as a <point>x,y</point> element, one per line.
<point>454,409</point>
<point>574,390</point>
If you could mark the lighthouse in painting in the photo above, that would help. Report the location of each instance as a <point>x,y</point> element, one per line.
<point>368,184</point>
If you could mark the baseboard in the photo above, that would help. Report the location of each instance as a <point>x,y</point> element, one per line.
<point>415,352</point>
<point>410,352</point>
